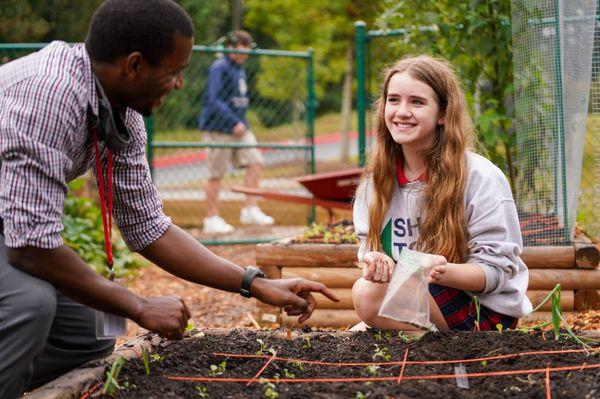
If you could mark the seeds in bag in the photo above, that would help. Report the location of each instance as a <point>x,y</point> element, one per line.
<point>407,296</point>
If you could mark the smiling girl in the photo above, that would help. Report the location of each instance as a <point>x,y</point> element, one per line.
<point>425,189</point>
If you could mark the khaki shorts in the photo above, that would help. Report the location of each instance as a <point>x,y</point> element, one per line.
<point>219,160</point>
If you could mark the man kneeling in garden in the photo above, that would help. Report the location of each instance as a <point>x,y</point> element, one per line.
<point>56,106</point>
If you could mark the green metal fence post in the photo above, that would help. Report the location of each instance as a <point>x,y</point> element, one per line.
<point>311,99</point>
<point>361,93</point>
<point>150,145</point>
<point>560,121</point>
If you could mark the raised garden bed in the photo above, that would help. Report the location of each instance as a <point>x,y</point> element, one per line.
<point>371,364</point>
<point>327,253</point>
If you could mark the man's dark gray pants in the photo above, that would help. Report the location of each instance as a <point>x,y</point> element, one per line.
<point>43,334</point>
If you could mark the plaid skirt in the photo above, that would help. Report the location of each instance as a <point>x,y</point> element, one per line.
<point>460,313</point>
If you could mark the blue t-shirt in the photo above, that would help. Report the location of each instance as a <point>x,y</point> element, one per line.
<point>225,98</point>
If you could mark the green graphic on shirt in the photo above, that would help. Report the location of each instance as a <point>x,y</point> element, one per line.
<point>386,239</point>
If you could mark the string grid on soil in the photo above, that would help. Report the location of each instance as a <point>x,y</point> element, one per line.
<point>342,365</point>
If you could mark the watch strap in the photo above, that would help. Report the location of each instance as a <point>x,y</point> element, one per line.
<point>250,274</point>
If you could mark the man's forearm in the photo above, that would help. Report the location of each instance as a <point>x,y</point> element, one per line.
<point>64,269</point>
<point>180,254</point>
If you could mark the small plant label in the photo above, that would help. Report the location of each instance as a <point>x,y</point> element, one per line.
<point>461,376</point>
<point>109,326</point>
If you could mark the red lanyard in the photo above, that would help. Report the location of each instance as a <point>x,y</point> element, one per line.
<point>106,200</point>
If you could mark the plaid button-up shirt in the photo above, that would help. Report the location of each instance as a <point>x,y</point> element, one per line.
<point>45,142</point>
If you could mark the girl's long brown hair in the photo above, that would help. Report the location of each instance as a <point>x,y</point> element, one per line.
<point>443,230</point>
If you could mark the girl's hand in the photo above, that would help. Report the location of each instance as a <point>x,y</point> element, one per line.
<point>440,267</point>
<point>378,267</point>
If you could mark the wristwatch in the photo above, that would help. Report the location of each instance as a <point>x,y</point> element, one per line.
<point>251,273</point>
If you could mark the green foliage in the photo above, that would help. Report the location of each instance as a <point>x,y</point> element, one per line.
<point>264,348</point>
<point>202,391</point>
<point>372,370</point>
<point>83,233</point>
<point>381,352</point>
<point>111,382</point>
<point>286,374</point>
<point>326,26</point>
<point>329,233</point>
<point>298,365</point>
<point>146,360</point>
<point>306,344</point>
<point>269,390</point>
<point>477,312</point>
<point>217,369</point>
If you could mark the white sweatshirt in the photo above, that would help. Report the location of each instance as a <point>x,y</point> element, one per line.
<point>495,242</point>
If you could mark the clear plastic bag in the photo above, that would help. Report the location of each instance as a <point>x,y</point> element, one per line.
<point>407,296</point>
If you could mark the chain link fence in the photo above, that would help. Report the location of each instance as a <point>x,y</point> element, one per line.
<point>281,116</point>
<point>556,52</point>
<point>280,87</point>
<point>550,224</point>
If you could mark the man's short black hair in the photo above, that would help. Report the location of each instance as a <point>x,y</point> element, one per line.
<point>121,27</point>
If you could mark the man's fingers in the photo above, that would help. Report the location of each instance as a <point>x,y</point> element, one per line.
<point>308,286</point>
<point>312,304</point>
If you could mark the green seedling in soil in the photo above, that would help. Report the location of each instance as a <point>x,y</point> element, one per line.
<point>264,349</point>
<point>382,353</point>
<point>202,391</point>
<point>557,317</point>
<point>157,358</point>
<point>372,370</point>
<point>477,312</point>
<point>201,334</point>
<point>269,390</point>
<point>286,374</point>
<point>381,334</point>
<point>360,395</point>
<point>306,341</point>
<point>499,327</point>
<point>483,363</point>
<point>218,369</point>
<point>146,359</point>
<point>111,384</point>
<point>189,327</point>
<point>298,365</point>
<point>407,338</point>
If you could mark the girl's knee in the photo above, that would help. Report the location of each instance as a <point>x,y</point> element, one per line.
<point>367,298</point>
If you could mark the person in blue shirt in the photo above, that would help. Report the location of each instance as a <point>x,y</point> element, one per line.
<point>223,118</point>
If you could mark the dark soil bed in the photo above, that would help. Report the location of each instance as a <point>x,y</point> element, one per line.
<point>194,357</point>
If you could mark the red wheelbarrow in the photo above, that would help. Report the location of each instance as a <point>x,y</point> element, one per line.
<point>331,190</point>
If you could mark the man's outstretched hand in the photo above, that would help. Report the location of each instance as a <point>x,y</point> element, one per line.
<point>293,294</point>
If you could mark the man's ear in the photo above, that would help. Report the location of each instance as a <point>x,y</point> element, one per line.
<point>133,64</point>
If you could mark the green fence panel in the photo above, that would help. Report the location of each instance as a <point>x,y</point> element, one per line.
<point>280,87</point>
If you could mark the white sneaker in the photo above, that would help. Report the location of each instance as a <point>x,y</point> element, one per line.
<point>253,215</point>
<point>216,225</point>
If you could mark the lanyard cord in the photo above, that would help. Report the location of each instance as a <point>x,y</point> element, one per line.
<point>106,200</point>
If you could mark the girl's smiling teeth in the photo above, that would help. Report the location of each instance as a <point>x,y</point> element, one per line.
<point>404,125</point>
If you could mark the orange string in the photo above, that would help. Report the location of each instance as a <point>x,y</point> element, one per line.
<point>413,362</point>
<point>91,390</point>
<point>374,379</point>
<point>261,370</point>
<point>403,364</point>
<point>548,393</point>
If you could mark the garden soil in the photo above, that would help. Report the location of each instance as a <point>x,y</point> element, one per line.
<point>194,356</point>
